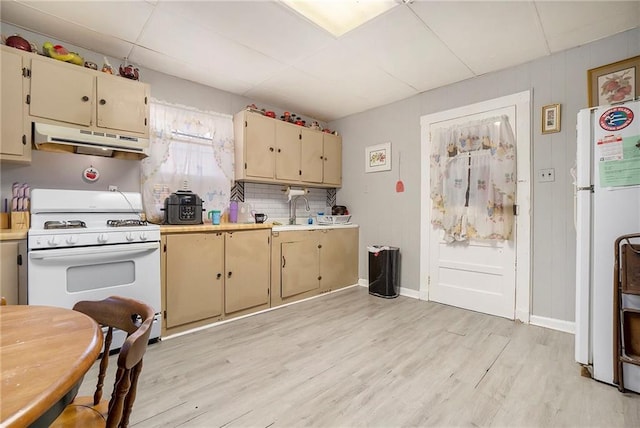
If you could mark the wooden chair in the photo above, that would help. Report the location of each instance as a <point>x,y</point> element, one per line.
<point>135,318</point>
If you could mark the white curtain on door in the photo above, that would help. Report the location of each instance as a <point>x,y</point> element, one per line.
<point>473,170</point>
<point>189,149</point>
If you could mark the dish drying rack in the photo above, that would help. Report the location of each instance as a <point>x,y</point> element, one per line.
<point>334,219</point>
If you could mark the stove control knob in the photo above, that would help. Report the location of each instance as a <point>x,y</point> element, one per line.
<point>130,236</point>
<point>53,241</point>
<point>143,236</point>
<point>72,239</point>
<point>102,238</point>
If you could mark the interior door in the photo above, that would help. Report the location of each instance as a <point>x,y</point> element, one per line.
<point>473,274</point>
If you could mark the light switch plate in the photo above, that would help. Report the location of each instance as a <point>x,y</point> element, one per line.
<point>546,175</point>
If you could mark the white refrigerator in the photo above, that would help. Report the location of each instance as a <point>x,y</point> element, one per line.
<point>607,206</point>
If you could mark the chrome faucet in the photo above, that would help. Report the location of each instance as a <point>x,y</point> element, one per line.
<point>292,208</point>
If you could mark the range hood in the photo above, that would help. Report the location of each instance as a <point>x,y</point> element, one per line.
<point>87,142</point>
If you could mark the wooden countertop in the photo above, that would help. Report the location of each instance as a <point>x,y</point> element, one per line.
<point>13,234</point>
<point>45,352</point>
<point>223,227</point>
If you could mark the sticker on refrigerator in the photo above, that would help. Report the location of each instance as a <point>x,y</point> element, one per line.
<point>619,161</point>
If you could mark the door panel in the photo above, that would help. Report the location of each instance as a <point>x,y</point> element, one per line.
<point>288,151</point>
<point>246,287</point>
<point>332,159</point>
<point>311,162</point>
<point>11,131</point>
<point>60,92</point>
<point>299,267</point>
<point>260,143</point>
<point>194,288</point>
<point>475,275</point>
<point>121,104</point>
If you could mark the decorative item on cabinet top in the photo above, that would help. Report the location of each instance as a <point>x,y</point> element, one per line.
<point>290,118</point>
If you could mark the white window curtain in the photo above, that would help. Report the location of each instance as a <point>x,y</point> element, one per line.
<point>189,150</point>
<point>473,180</point>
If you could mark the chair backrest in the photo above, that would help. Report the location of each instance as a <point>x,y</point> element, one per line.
<point>135,318</point>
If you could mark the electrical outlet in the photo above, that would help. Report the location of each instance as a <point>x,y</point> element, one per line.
<point>546,175</point>
<point>113,188</point>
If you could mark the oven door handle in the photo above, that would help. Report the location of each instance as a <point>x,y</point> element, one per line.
<point>71,252</point>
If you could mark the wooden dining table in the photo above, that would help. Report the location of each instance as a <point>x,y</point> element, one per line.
<point>44,355</point>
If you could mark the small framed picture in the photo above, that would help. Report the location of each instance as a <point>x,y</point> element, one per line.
<point>614,83</point>
<point>551,118</point>
<point>378,158</point>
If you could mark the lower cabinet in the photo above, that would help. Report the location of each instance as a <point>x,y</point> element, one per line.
<point>247,256</point>
<point>13,271</point>
<point>306,263</point>
<point>209,276</point>
<point>194,282</point>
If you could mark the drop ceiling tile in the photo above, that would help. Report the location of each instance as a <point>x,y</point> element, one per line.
<point>58,30</point>
<point>486,36</point>
<point>570,24</point>
<point>400,44</point>
<point>120,19</point>
<point>305,94</point>
<point>200,47</point>
<point>165,64</point>
<point>267,27</point>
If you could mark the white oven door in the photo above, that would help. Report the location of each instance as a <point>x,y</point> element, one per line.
<point>64,276</point>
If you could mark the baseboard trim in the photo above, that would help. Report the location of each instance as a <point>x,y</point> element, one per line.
<point>407,292</point>
<point>553,324</point>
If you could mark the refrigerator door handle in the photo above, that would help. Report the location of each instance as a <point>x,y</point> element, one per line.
<point>590,188</point>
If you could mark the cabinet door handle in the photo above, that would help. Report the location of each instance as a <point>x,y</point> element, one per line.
<point>270,149</point>
<point>103,102</point>
<point>218,276</point>
<point>229,274</point>
<point>321,157</point>
<point>279,150</point>
<point>85,98</point>
<point>319,245</point>
<point>319,278</point>
<point>284,262</point>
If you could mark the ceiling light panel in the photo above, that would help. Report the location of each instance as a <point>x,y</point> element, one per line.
<point>340,16</point>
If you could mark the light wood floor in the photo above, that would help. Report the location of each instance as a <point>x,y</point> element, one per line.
<point>353,360</point>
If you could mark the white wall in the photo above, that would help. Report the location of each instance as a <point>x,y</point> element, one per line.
<point>392,218</point>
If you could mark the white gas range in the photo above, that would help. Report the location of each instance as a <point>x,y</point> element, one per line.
<point>89,245</point>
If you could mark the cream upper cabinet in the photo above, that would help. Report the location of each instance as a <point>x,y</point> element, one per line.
<point>312,157</point>
<point>255,146</point>
<point>332,157</point>
<point>61,92</point>
<point>268,150</point>
<point>75,95</point>
<point>15,134</point>
<point>247,270</point>
<point>194,267</point>
<point>287,151</point>
<point>122,104</point>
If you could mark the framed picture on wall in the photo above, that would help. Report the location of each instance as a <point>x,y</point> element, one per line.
<point>551,118</point>
<point>378,158</point>
<point>614,83</point>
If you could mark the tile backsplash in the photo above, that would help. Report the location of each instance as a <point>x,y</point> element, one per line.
<point>272,200</point>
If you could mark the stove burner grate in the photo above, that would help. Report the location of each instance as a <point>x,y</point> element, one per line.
<point>71,224</point>
<point>126,223</point>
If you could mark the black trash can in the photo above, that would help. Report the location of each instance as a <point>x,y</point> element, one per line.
<point>384,271</point>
